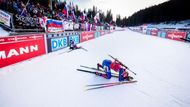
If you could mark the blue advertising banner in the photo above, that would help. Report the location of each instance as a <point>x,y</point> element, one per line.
<point>148,32</point>
<point>159,33</point>
<point>163,34</point>
<point>96,34</point>
<point>58,43</point>
<point>75,38</point>
<point>188,36</point>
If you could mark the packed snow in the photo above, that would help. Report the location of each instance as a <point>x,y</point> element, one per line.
<point>162,67</point>
<point>3,32</point>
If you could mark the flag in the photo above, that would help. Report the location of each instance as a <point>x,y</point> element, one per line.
<point>65,11</point>
<point>50,4</point>
<point>73,13</point>
<point>84,15</point>
<point>96,18</point>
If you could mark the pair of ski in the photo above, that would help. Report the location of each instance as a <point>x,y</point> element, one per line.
<point>77,48</point>
<point>186,40</point>
<point>74,49</point>
<point>95,70</point>
<point>102,85</point>
<point>101,71</point>
<point>105,85</point>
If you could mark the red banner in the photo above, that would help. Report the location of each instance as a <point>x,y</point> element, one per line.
<point>18,48</point>
<point>176,35</point>
<point>102,33</point>
<point>86,36</point>
<point>154,32</point>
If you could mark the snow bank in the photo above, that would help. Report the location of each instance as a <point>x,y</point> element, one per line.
<point>3,33</point>
<point>162,68</point>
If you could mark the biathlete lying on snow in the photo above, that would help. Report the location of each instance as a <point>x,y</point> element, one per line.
<point>72,45</point>
<point>107,65</point>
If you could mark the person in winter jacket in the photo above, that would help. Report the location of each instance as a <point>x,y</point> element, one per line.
<point>72,45</point>
<point>108,65</point>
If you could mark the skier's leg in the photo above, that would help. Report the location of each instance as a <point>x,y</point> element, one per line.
<point>108,73</point>
<point>99,66</point>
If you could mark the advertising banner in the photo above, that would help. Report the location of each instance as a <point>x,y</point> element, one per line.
<point>148,32</point>
<point>68,25</point>
<point>188,36</point>
<point>96,34</point>
<point>102,33</point>
<point>18,48</point>
<point>161,34</point>
<point>75,38</point>
<point>57,43</point>
<point>5,18</point>
<point>85,36</point>
<point>26,21</point>
<point>106,32</point>
<point>154,32</point>
<point>187,39</point>
<point>109,31</point>
<point>176,35</point>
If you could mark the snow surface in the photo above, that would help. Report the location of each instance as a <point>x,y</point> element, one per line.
<point>3,33</point>
<point>162,68</point>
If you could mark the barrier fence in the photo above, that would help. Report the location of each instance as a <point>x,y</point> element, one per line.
<point>18,48</point>
<point>177,35</point>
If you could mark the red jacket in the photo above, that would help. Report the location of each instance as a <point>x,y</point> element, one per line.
<point>115,66</point>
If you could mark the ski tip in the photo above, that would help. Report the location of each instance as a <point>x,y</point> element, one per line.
<point>84,89</point>
<point>78,69</point>
<point>87,89</point>
<point>86,86</point>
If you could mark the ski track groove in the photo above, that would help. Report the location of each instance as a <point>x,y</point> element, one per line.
<point>178,100</point>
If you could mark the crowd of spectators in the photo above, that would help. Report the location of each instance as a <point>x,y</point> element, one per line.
<point>27,12</point>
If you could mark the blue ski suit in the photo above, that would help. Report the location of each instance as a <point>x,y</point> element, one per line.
<point>106,66</point>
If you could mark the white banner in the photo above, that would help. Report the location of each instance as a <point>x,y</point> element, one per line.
<point>5,18</point>
<point>68,25</point>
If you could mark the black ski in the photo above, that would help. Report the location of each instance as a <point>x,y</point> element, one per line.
<point>77,48</point>
<point>97,69</point>
<point>113,74</point>
<point>187,40</point>
<point>83,48</point>
<point>89,67</point>
<point>70,50</point>
<point>93,72</point>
